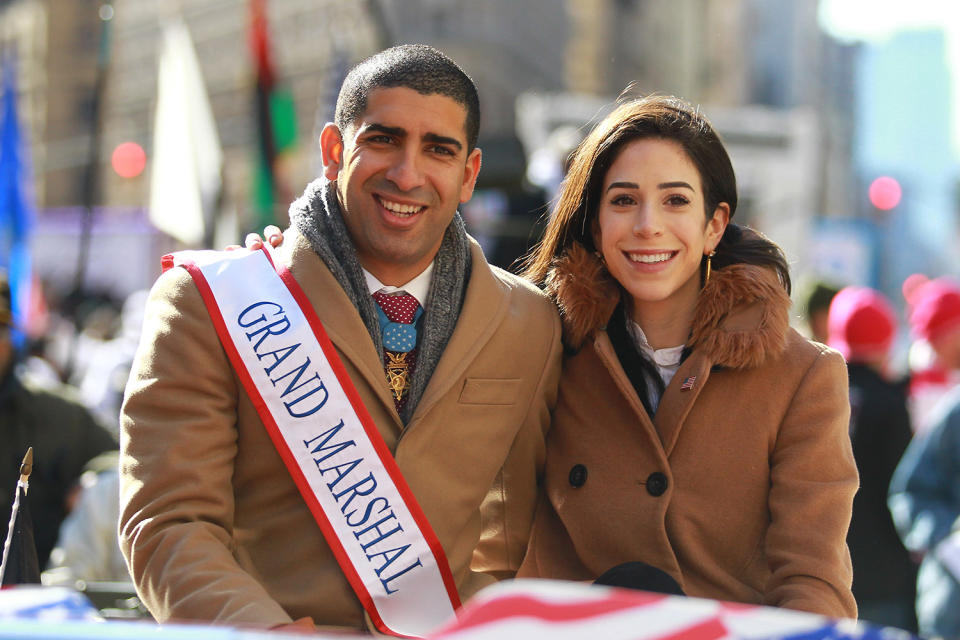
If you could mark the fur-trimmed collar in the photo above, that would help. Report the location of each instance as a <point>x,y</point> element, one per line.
<point>741,316</point>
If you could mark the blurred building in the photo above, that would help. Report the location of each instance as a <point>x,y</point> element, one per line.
<point>308,39</point>
<point>55,47</point>
<point>57,43</point>
<point>780,87</point>
<point>904,114</point>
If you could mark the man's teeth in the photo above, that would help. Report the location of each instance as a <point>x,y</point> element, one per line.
<point>400,209</point>
<point>649,258</point>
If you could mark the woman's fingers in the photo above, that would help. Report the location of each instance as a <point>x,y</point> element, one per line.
<point>271,232</point>
<point>253,241</point>
<point>273,235</point>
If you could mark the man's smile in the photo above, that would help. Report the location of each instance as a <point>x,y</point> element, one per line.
<point>399,208</point>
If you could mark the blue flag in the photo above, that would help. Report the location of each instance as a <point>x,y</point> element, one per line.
<point>16,215</point>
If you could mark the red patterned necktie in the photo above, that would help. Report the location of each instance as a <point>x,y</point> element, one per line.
<point>399,341</point>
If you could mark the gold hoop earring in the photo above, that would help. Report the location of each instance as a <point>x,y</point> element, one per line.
<point>706,277</point>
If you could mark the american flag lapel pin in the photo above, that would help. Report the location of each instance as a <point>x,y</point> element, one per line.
<point>688,383</point>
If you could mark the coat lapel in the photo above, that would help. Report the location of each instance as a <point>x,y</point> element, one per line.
<point>608,356</point>
<point>679,397</point>
<point>485,303</point>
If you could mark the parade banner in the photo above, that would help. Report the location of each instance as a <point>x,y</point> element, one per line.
<point>559,610</point>
<point>325,436</point>
<point>527,609</point>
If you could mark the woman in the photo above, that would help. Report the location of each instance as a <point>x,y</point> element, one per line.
<point>695,430</point>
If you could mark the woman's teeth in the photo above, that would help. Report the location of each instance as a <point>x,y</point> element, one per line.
<point>649,258</point>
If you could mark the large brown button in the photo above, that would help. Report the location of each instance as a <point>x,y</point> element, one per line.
<point>656,484</point>
<point>578,476</point>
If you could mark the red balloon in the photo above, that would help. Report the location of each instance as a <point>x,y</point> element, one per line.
<point>128,160</point>
<point>885,193</point>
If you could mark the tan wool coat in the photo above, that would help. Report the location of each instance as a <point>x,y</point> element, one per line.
<point>740,487</point>
<point>212,525</point>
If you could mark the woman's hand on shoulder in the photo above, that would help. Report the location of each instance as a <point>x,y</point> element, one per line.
<point>254,241</point>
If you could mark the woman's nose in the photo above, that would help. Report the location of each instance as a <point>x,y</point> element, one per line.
<point>647,222</point>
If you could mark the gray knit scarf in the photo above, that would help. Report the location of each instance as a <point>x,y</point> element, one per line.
<point>316,214</point>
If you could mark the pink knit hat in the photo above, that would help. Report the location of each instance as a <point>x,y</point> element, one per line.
<point>934,305</point>
<point>861,323</point>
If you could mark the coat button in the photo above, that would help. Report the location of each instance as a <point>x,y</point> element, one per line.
<point>656,484</point>
<point>578,476</point>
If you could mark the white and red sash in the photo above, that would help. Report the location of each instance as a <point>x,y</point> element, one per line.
<point>327,439</point>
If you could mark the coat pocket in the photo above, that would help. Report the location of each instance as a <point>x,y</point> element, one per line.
<point>490,391</point>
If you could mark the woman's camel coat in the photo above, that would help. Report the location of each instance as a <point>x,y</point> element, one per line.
<point>741,485</point>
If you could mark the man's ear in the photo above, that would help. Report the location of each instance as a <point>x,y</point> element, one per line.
<point>470,175</point>
<point>331,150</point>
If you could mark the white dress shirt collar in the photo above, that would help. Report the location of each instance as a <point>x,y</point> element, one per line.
<point>419,287</point>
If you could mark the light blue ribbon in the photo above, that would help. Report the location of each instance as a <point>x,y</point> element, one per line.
<point>397,336</point>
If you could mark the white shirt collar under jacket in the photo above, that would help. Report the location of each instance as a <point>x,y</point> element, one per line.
<point>419,287</point>
<point>666,360</point>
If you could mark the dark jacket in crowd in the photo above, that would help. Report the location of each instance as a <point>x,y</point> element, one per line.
<point>880,431</point>
<point>64,436</point>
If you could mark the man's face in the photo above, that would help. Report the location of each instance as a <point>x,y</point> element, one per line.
<point>402,169</point>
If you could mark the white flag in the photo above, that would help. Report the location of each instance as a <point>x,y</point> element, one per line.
<point>185,178</point>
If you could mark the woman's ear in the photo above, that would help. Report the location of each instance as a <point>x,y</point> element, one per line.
<point>717,225</point>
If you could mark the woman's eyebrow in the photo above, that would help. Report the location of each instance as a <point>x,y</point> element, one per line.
<point>662,185</point>
<point>672,185</point>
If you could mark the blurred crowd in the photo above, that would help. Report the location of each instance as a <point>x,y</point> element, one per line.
<point>60,392</point>
<point>905,430</point>
<point>62,396</point>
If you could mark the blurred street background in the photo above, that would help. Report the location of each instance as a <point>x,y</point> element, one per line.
<point>136,127</point>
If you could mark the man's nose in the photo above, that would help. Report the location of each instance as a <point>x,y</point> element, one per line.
<point>406,172</point>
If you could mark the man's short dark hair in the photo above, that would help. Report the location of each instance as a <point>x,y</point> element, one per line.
<point>415,66</point>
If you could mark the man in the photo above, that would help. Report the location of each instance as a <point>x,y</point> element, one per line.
<point>212,523</point>
<point>63,434</point>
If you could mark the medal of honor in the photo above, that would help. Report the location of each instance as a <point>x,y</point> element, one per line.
<point>397,378</point>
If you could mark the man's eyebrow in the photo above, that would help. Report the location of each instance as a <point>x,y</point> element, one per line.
<point>439,139</point>
<point>382,128</point>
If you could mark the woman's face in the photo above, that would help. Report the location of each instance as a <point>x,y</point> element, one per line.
<point>651,223</point>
